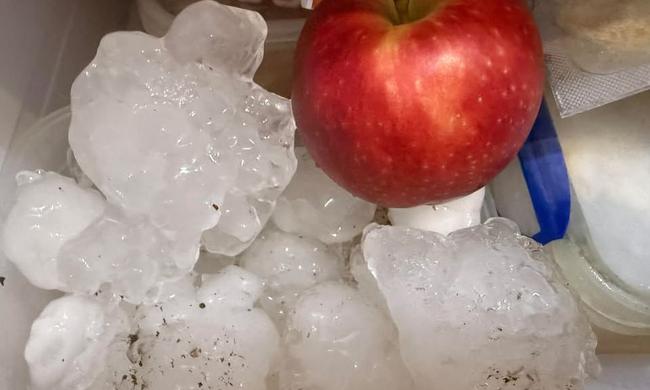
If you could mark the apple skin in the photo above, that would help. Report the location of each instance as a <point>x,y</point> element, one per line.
<point>420,112</point>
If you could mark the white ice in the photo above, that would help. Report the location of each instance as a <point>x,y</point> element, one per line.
<point>315,206</point>
<point>288,264</point>
<point>69,342</point>
<point>206,337</point>
<point>176,130</point>
<point>479,308</point>
<point>49,210</point>
<point>442,218</point>
<point>64,236</point>
<point>336,340</point>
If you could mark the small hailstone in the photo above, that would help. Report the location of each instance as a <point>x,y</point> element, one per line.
<point>480,308</point>
<point>69,341</point>
<point>442,218</point>
<point>338,341</point>
<point>176,130</point>
<point>316,206</point>
<point>210,337</point>
<point>288,264</point>
<point>49,210</point>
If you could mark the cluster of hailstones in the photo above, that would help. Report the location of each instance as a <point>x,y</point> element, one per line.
<point>199,250</point>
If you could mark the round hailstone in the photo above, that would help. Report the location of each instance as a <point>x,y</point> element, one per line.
<point>210,337</point>
<point>69,341</point>
<point>288,264</point>
<point>49,211</point>
<point>336,340</point>
<point>64,236</point>
<point>480,308</point>
<point>175,129</point>
<point>315,206</point>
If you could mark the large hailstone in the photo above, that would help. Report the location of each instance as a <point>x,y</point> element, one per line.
<point>64,236</point>
<point>315,206</point>
<point>176,130</point>
<point>288,264</point>
<point>336,340</point>
<point>480,308</point>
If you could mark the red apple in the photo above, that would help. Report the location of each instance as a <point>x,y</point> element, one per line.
<point>405,103</point>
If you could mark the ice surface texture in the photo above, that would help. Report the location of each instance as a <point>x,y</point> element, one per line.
<point>69,340</point>
<point>63,236</point>
<point>176,130</point>
<point>49,210</point>
<point>208,336</point>
<point>289,264</point>
<point>442,218</point>
<point>337,340</point>
<point>479,309</point>
<point>315,206</point>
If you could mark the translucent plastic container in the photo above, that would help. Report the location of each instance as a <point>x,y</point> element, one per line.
<point>604,256</point>
<point>45,44</point>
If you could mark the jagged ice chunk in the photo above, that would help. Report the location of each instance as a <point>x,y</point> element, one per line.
<point>175,129</point>
<point>479,308</point>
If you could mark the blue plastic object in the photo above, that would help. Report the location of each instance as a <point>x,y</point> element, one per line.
<point>545,171</point>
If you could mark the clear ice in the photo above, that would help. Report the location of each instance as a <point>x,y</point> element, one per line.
<point>315,206</point>
<point>479,309</point>
<point>176,130</point>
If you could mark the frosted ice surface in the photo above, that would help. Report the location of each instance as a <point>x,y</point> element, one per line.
<point>175,129</point>
<point>69,341</point>
<point>49,210</point>
<point>211,337</point>
<point>63,236</point>
<point>442,218</point>
<point>264,149</point>
<point>479,308</point>
<point>228,38</point>
<point>364,279</point>
<point>288,264</point>
<point>338,341</point>
<point>315,206</point>
<point>127,252</point>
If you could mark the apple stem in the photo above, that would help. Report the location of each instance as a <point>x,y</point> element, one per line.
<point>402,8</point>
